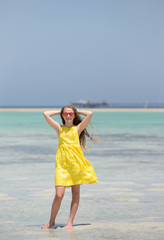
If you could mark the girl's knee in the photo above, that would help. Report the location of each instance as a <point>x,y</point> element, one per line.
<point>59,196</point>
<point>59,192</point>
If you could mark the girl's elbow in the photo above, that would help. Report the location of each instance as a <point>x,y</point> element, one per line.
<point>45,114</point>
<point>89,114</point>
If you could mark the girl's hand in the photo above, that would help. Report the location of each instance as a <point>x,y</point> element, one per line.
<point>84,112</point>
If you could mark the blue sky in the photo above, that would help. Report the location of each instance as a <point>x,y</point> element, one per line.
<point>56,52</point>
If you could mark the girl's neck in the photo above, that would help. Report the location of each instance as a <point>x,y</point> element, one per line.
<point>68,125</point>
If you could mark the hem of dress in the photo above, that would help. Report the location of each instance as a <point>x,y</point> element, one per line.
<point>70,185</point>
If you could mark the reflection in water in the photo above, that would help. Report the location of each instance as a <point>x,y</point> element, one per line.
<point>53,234</point>
<point>72,235</point>
<point>62,234</point>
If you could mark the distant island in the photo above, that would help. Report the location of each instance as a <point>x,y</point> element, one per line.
<point>104,104</point>
<point>89,104</point>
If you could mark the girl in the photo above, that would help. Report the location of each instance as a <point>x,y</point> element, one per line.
<point>72,168</point>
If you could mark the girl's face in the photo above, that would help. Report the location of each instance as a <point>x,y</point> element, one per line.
<point>68,115</point>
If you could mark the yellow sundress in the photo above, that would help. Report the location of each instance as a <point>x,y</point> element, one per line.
<point>71,166</point>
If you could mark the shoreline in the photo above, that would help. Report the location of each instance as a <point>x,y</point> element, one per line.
<point>89,109</point>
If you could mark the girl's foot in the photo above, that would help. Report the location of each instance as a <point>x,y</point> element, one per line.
<point>69,226</point>
<point>48,225</point>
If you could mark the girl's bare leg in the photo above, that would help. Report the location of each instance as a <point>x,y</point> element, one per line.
<point>74,205</point>
<point>55,206</point>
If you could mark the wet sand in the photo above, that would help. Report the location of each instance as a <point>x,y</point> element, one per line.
<point>121,195</point>
<point>98,231</point>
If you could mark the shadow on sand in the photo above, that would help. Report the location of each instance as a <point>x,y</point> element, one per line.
<point>60,225</point>
<point>74,225</point>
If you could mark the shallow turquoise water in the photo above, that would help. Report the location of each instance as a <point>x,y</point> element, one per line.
<point>128,161</point>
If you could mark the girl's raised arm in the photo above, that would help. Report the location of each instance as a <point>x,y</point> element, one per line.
<point>81,126</point>
<point>54,124</point>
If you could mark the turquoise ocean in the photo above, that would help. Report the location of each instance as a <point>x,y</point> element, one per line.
<point>128,160</point>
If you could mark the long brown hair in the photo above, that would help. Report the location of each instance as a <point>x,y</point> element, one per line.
<point>76,121</point>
